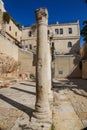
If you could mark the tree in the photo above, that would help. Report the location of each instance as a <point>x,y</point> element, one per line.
<point>84,31</point>
<point>83,51</point>
<point>6,17</point>
<point>7,64</point>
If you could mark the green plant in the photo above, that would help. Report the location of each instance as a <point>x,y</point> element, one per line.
<point>32,76</point>
<point>6,17</point>
<point>52,127</point>
<point>84,31</point>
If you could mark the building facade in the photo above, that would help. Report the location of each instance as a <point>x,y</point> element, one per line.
<point>64,37</point>
<point>8,26</point>
<point>10,30</point>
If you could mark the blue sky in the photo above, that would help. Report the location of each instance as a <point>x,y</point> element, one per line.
<point>62,11</point>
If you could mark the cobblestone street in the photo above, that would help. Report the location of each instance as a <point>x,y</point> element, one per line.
<point>69,105</point>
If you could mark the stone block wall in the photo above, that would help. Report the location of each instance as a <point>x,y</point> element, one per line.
<point>67,66</point>
<point>8,47</point>
<point>25,62</point>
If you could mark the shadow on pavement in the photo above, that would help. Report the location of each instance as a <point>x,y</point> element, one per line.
<point>28,84</point>
<point>73,85</point>
<point>84,128</point>
<point>19,106</point>
<point>18,89</point>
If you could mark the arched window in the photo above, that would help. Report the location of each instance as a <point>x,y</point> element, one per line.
<point>69,44</point>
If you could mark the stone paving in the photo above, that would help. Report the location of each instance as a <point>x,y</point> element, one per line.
<point>16,102</point>
<point>69,106</point>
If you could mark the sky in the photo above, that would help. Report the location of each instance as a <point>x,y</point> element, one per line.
<point>63,11</point>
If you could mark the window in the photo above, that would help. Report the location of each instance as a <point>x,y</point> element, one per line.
<point>48,32</point>
<point>70,30</point>
<point>50,43</point>
<point>61,31</point>
<point>26,46</point>
<point>60,72</point>
<point>30,46</point>
<point>15,33</point>
<point>9,28</point>
<point>56,31</point>
<point>30,34</point>
<point>53,44</point>
<point>69,44</point>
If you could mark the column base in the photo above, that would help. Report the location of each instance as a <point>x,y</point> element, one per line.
<point>42,117</point>
<point>39,124</point>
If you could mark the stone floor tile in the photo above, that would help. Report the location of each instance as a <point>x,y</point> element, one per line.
<point>68,125</point>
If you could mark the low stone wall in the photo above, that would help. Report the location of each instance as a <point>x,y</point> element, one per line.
<point>66,66</point>
<point>24,58</point>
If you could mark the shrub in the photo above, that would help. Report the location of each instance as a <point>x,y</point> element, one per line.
<point>6,17</point>
<point>32,76</point>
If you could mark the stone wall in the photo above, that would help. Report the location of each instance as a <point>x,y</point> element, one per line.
<point>26,62</point>
<point>24,58</point>
<point>8,47</point>
<point>61,46</point>
<point>66,66</point>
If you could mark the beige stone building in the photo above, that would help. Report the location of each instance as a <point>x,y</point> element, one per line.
<point>10,38</point>
<point>64,37</point>
<point>8,26</point>
<point>2,6</point>
<point>29,37</point>
<point>10,30</point>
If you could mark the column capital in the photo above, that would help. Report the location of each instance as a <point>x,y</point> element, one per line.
<point>41,15</point>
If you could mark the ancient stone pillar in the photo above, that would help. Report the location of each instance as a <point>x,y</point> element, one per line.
<point>42,109</point>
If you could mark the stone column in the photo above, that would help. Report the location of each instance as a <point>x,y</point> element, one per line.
<point>42,108</point>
